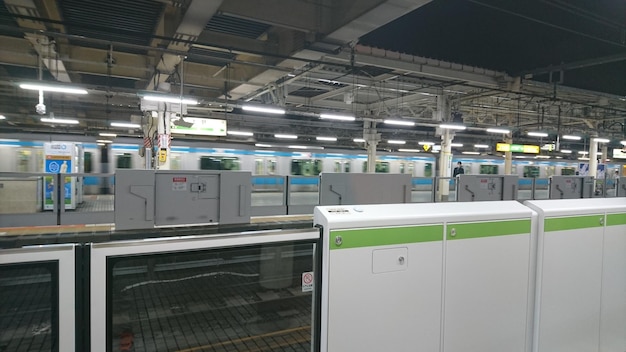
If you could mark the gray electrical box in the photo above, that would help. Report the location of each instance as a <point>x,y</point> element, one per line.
<point>339,188</point>
<point>147,198</point>
<point>473,188</point>
<point>571,187</point>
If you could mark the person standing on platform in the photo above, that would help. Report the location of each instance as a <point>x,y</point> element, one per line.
<point>458,170</point>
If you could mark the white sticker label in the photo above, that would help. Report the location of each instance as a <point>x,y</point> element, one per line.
<point>307,281</point>
<point>484,183</point>
<point>179,184</point>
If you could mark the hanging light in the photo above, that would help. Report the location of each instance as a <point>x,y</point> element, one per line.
<point>53,88</point>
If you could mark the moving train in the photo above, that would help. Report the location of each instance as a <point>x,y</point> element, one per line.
<point>24,153</point>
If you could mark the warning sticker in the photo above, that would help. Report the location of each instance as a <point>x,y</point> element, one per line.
<point>484,183</point>
<point>307,281</point>
<point>179,184</point>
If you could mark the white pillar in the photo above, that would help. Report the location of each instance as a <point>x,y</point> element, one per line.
<point>371,138</point>
<point>445,165</point>
<point>163,140</point>
<point>508,157</point>
<point>605,153</point>
<point>593,157</point>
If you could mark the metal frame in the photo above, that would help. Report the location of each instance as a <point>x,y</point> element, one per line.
<point>64,255</point>
<point>100,252</point>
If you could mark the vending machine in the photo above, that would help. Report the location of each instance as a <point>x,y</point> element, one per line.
<point>63,158</point>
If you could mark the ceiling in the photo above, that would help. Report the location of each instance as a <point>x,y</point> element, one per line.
<point>481,61</point>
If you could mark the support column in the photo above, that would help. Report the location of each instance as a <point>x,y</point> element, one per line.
<point>445,165</point>
<point>605,153</point>
<point>593,157</point>
<point>163,153</point>
<point>371,138</point>
<point>508,157</point>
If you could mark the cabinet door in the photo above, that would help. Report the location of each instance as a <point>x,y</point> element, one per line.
<point>613,310</point>
<point>569,279</point>
<point>486,300</point>
<point>384,291</point>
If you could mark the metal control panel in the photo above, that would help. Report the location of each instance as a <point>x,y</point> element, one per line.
<point>571,187</point>
<point>147,198</point>
<point>472,188</point>
<point>338,188</point>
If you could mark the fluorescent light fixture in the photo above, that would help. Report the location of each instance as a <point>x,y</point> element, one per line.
<point>358,140</point>
<point>104,141</point>
<point>426,143</point>
<point>266,110</point>
<point>100,144</point>
<point>53,88</point>
<point>240,133</point>
<point>452,127</point>
<point>337,117</point>
<point>542,157</point>
<point>261,145</point>
<point>582,152</point>
<point>125,125</point>
<point>286,136</point>
<point>327,139</point>
<point>399,122</point>
<point>457,145</point>
<point>104,134</point>
<point>572,137</point>
<point>170,99</point>
<point>409,150</point>
<point>297,147</point>
<point>481,146</point>
<point>2,117</point>
<point>498,130</point>
<point>471,153</point>
<point>566,151</point>
<point>537,134</point>
<point>602,140</point>
<point>395,141</point>
<point>583,158</point>
<point>60,121</point>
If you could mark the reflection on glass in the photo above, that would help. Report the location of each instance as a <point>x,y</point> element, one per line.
<point>304,191</point>
<point>268,190</point>
<point>28,307</point>
<point>243,299</point>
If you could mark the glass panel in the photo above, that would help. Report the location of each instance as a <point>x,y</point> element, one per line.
<point>233,299</point>
<point>488,169</point>
<point>307,167</point>
<point>268,190</point>
<point>258,167</point>
<point>304,191</point>
<point>97,194</point>
<point>542,188</point>
<point>23,194</point>
<point>428,170</point>
<point>271,166</point>
<point>29,307</point>
<point>422,190</point>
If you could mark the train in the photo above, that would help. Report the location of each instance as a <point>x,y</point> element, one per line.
<point>24,153</point>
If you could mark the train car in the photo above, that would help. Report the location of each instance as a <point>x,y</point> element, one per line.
<point>24,153</point>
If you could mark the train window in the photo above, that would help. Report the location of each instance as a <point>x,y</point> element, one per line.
<point>428,170</point>
<point>568,171</point>
<point>219,163</point>
<point>488,169</point>
<point>258,167</point>
<point>88,163</point>
<point>381,167</point>
<point>550,171</point>
<point>175,162</point>
<point>23,160</point>
<point>271,166</point>
<point>411,169</point>
<point>337,166</point>
<point>531,171</point>
<point>308,167</point>
<point>401,168</point>
<point>346,166</point>
<point>124,161</point>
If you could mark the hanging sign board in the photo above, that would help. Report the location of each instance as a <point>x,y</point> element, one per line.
<point>517,148</point>
<point>619,153</point>
<point>202,127</point>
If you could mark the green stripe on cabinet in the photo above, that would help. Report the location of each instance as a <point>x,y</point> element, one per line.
<point>573,222</point>
<point>459,231</point>
<point>385,236</point>
<point>615,219</point>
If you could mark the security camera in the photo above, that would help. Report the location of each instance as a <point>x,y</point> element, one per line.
<point>40,108</point>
